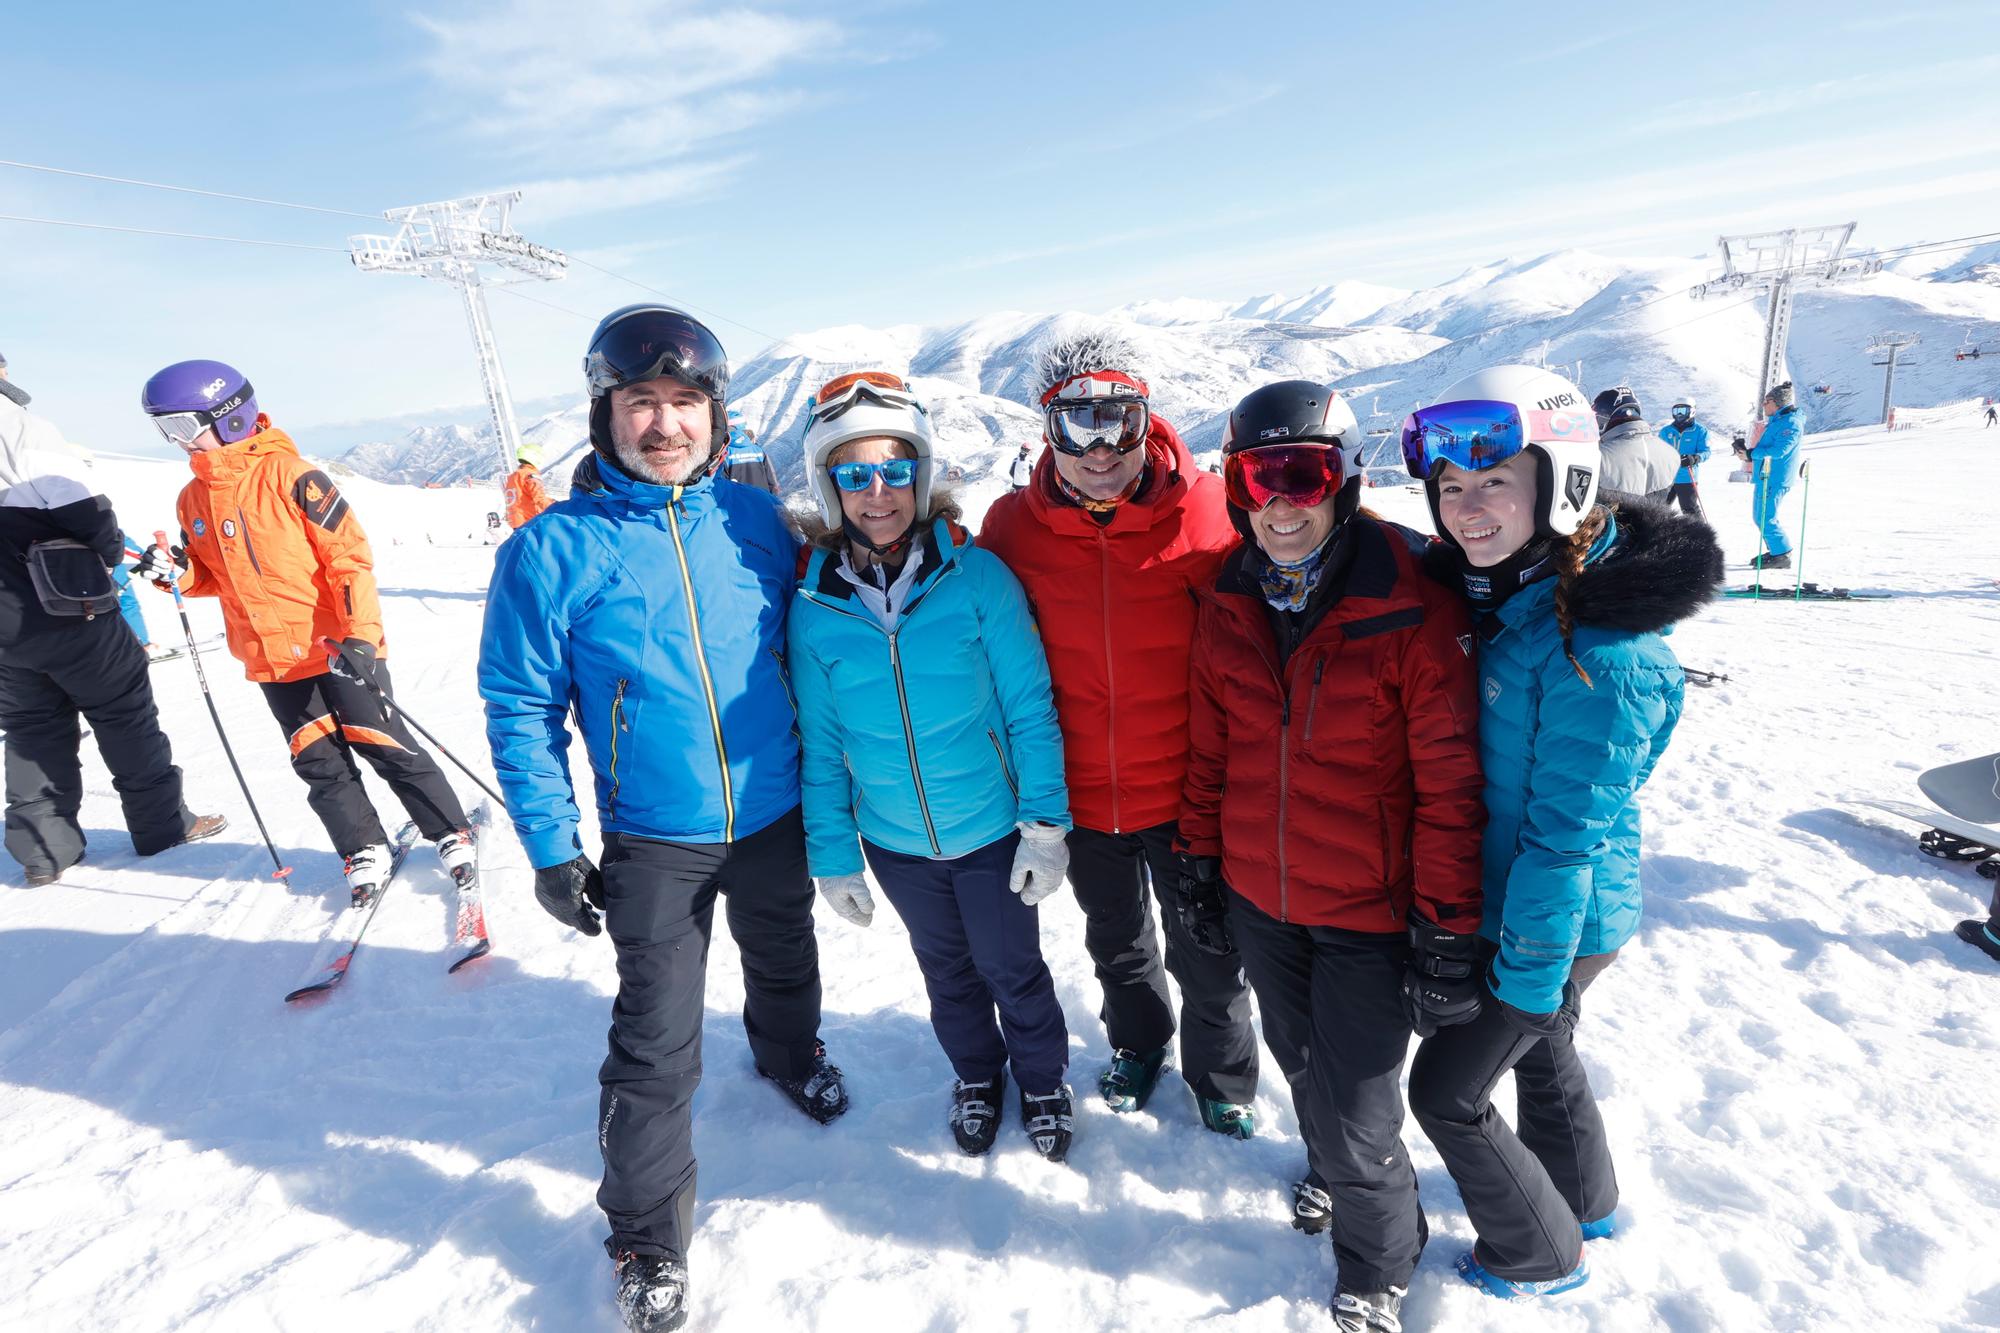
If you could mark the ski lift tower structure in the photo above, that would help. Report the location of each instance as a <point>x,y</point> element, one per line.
<point>471,244</point>
<point>1890,345</point>
<point>1780,263</point>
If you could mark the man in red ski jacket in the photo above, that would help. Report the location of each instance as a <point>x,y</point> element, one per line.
<point>1112,537</point>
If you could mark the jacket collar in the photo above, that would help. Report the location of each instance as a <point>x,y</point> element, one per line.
<point>232,461</point>
<point>941,542</point>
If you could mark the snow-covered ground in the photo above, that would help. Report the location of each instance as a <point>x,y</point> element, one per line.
<point>1797,1061</point>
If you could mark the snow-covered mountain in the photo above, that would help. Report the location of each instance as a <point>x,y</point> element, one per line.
<point>1601,320</point>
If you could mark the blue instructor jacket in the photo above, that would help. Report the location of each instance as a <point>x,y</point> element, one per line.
<point>653,617</point>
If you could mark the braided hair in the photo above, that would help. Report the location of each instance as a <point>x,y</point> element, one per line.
<point>1569,558</point>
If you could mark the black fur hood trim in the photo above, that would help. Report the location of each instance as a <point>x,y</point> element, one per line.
<point>1663,567</point>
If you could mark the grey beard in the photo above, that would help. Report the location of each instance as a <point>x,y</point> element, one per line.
<point>633,459</point>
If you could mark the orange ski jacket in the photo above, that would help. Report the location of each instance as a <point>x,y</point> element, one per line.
<point>526,496</point>
<point>272,537</point>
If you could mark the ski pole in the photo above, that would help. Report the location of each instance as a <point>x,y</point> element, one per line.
<point>283,870</point>
<point>367,678</point>
<point>1761,493</point>
<point>1805,501</point>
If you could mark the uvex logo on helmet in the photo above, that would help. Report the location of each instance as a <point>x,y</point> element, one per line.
<point>1559,400</point>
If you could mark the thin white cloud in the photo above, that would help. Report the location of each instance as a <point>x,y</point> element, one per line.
<point>1708,112</point>
<point>620,81</point>
<point>574,196</point>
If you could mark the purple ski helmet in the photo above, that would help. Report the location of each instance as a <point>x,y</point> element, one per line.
<point>188,397</point>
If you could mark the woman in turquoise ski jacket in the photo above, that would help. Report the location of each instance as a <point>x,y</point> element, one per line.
<point>1580,695</point>
<point>929,745</point>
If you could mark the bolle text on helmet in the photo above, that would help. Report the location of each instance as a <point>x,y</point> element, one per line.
<point>1559,400</point>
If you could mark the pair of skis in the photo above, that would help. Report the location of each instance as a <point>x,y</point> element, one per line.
<point>469,941</point>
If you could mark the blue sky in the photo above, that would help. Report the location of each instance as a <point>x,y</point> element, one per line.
<point>789,167</point>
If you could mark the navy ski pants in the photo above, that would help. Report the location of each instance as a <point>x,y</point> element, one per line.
<point>980,951</point>
<point>659,910</point>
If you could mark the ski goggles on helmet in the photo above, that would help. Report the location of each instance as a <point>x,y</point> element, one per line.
<point>653,343</point>
<point>844,391</point>
<point>184,428</point>
<point>1302,475</point>
<point>1682,410</point>
<point>1100,407</point>
<point>1077,428</point>
<point>895,472</point>
<point>1479,433</point>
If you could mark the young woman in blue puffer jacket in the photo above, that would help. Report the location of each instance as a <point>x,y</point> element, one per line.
<point>928,736</point>
<point>1579,697</point>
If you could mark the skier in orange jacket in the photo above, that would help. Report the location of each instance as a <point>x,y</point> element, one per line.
<point>272,538</point>
<point>526,496</point>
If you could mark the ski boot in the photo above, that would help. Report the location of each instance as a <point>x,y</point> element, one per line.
<point>1509,1289</point>
<point>366,870</point>
<point>459,854</point>
<point>1127,1083</point>
<point>652,1292</point>
<point>1981,936</point>
<point>1604,1228</point>
<point>1231,1118</point>
<point>1049,1120</point>
<point>975,1114</point>
<point>1368,1311</point>
<point>1312,1206</point>
<point>820,1094</point>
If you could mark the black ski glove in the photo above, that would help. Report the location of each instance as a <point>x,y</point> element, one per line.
<point>1200,905</point>
<point>1441,989</point>
<point>161,566</point>
<point>572,893</point>
<point>1558,1024</point>
<point>352,659</point>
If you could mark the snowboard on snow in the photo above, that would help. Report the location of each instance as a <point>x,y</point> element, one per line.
<point>1969,790</point>
<point>1948,837</point>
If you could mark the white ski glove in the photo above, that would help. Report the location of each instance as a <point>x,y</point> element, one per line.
<point>849,898</point>
<point>1040,862</point>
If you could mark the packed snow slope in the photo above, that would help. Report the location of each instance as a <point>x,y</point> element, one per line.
<point>1798,1063</point>
<point>1601,320</point>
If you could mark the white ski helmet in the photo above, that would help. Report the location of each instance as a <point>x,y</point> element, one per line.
<point>852,407</point>
<point>1558,427</point>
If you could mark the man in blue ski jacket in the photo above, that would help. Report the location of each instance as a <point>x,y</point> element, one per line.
<point>649,609</point>
<point>1774,466</point>
<point>1688,438</point>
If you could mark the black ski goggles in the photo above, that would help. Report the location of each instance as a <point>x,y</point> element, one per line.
<point>652,343</point>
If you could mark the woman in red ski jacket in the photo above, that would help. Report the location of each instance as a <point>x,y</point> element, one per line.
<point>1331,816</point>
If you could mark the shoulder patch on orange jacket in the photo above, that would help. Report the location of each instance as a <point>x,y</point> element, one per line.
<point>315,493</point>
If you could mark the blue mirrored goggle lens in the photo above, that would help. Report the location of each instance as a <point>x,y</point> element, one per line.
<point>1473,434</point>
<point>896,472</point>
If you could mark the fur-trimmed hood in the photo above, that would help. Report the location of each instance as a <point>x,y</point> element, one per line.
<point>1661,567</point>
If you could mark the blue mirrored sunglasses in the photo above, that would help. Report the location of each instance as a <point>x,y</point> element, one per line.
<point>896,472</point>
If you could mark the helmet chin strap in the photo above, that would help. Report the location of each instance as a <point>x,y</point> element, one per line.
<point>894,549</point>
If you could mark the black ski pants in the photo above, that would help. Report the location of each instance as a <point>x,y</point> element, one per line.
<point>980,950</point>
<point>1526,1192</point>
<point>327,720</point>
<point>1689,499</point>
<point>1331,1002</point>
<point>659,909</point>
<point>96,669</point>
<point>1110,873</point>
